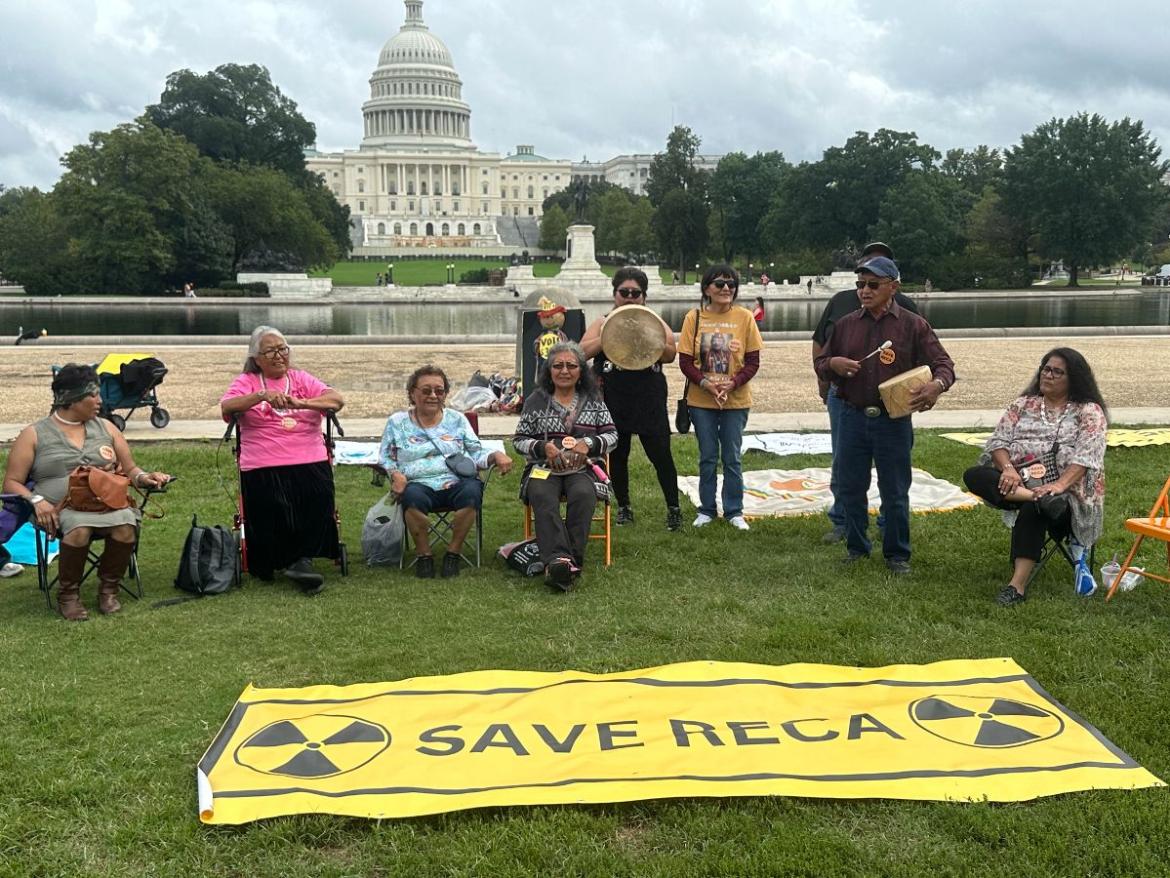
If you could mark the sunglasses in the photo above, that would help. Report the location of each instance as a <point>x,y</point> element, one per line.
<point>565,367</point>
<point>273,353</point>
<point>1052,371</point>
<point>432,391</point>
<point>629,292</point>
<point>725,284</point>
<point>872,284</point>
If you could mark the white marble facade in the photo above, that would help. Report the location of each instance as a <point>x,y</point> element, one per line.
<point>418,180</point>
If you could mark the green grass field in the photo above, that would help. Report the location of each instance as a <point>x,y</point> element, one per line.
<point>103,722</point>
<point>423,272</point>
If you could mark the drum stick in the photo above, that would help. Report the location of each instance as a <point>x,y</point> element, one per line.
<point>885,345</point>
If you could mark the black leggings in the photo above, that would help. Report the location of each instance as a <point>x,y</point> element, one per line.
<point>1031,526</point>
<point>657,448</point>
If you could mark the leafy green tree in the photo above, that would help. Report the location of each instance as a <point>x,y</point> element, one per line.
<point>235,113</point>
<point>924,215</point>
<point>1087,190</point>
<point>675,168</point>
<point>638,234</point>
<point>741,192</point>
<point>613,212</point>
<point>268,218</point>
<point>974,170</point>
<point>34,244</point>
<point>554,226</point>
<point>680,224</point>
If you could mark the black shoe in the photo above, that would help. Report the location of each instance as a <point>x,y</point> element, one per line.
<point>301,572</point>
<point>854,557</point>
<point>424,567</point>
<point>1009,597</point>
<point>673,518</point>
<point>625,516</point>
<point>835,535</point>
<point>451,564</point>
<point>560,574</point>
<point>897,566</point>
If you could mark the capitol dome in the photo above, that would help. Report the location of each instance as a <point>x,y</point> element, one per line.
<point>416,97</point>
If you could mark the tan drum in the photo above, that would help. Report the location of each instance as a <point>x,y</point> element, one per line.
<point>633,337</point>
<point>896,391</point>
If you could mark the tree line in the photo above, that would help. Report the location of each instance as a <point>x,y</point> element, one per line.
<point>209,181</point>
<point>1081,191</point>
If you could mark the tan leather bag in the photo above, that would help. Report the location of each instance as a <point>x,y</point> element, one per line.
<point>97,490</point>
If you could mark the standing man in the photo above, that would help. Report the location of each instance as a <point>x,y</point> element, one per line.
<point>844,302</point>
<point>867,435</point>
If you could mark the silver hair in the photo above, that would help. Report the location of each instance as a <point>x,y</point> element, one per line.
<point>562,347</point>
<point>258,333</point>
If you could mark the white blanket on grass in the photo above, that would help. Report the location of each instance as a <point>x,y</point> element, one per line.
<point>366,453</point>
<point>773,492</point>
<point>788,443</point>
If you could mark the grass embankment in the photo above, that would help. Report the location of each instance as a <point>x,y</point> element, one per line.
<point>424,272</point>
<point>103,722</point>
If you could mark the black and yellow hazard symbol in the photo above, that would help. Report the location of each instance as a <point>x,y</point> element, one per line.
<point>985,722</point>
<point>313,746</point>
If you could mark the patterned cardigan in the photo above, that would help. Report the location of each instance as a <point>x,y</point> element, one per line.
<point>543,420</point>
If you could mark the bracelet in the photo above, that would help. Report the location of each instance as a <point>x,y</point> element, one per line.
<point>942,384</point>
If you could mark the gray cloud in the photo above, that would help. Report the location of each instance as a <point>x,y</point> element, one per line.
<point>791,75</point>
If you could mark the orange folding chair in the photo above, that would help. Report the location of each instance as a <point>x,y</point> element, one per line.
<point>600,529</point>
<point>1155,526</point>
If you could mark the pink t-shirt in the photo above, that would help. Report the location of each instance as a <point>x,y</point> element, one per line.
<point>272,438</point>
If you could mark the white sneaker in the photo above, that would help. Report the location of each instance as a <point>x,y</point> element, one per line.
<point>738,523</point>
<point>11,569</point>
<point>701,519</point>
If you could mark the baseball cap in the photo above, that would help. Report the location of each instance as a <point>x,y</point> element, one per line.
<point>877,247</point>
<point>879,266</point>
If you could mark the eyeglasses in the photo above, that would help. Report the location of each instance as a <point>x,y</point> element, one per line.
<point>872,284</point>
<point>629,292</point>
<point>565,367</point>
<point>1052,371</point>
<point>273,353</point>
<point>432,391</point>
<point>725,284</point>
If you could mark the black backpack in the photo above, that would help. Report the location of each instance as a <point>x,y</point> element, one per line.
<point>211,560</point>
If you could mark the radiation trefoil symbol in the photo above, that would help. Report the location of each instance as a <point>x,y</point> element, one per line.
<point>324,745</point>
<point>995,723</point>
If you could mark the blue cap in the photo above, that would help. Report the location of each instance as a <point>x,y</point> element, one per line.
<point>879,266</point>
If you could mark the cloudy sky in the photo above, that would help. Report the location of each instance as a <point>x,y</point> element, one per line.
<point>792,75</point>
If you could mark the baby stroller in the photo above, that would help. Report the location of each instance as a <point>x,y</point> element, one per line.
<point>240,525</point>
<point>128,381</point>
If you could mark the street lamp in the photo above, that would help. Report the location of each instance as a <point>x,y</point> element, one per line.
<point>450,272</point>
<point>697,278</point>
<point>390,274</point>
<point>749,273</point>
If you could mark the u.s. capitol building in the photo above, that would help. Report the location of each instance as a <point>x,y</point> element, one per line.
<point>418,180</point>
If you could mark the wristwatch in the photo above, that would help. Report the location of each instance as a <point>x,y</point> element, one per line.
<point>34,499</point>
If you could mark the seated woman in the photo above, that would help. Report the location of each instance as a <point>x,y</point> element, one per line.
<point>563,424</point>
<point>1061,411</point>
<point>286,481</point>
<point>416,445</point>
<point>45,453</point>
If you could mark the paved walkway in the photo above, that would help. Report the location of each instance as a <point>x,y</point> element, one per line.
<point>505,425</point>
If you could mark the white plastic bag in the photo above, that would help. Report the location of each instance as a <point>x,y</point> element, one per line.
<point>383,532</point>
<point>472,399</point>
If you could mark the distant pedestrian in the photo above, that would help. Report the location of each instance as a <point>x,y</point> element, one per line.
<point>378,279</point>
<point>758,311</point>
<point>809,286</point>
<point>188,290</point>
<point>928,286</point>
<point>674,278</point>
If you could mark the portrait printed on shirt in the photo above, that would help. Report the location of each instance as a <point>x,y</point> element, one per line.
<point>715,352</point>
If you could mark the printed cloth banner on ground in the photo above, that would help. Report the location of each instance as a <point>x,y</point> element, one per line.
<point>952,730</point>
<point>1116,438</point>
<point>805,491</point>
<point>783,444</point>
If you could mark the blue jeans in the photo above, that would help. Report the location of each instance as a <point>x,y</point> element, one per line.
<point>885,443</point>
<point>836,515</point>
<point>466,493</point>
<point>720,435</point>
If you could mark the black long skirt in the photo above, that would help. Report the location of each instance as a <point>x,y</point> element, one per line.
<point>288,515</point>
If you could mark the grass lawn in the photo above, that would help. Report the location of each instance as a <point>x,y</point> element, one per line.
<point>422,272</point>
<point>103,722</point>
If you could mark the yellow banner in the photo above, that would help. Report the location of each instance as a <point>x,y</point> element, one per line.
<point>952,730</point>
<point>1115,438</point>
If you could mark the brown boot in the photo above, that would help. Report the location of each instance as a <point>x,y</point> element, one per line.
<point>70,569</point>
<point>111,569</point>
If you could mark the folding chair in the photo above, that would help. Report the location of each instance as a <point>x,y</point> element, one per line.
<point>600,528</point>
<point>1154,526</point>
<point>441,528</point>
<point>131,583</point>
<point>1058,544</point>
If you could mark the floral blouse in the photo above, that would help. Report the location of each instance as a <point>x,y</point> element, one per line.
<point>1079,431</point>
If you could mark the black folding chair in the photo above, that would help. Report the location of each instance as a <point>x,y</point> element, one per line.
<point>1053,545</point>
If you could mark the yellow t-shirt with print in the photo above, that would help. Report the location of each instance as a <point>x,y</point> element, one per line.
<point>717,356</point>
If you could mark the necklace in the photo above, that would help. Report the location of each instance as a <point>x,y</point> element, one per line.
<point>67,421</point>
<point>289,423</point>
<point>1057,417</point>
